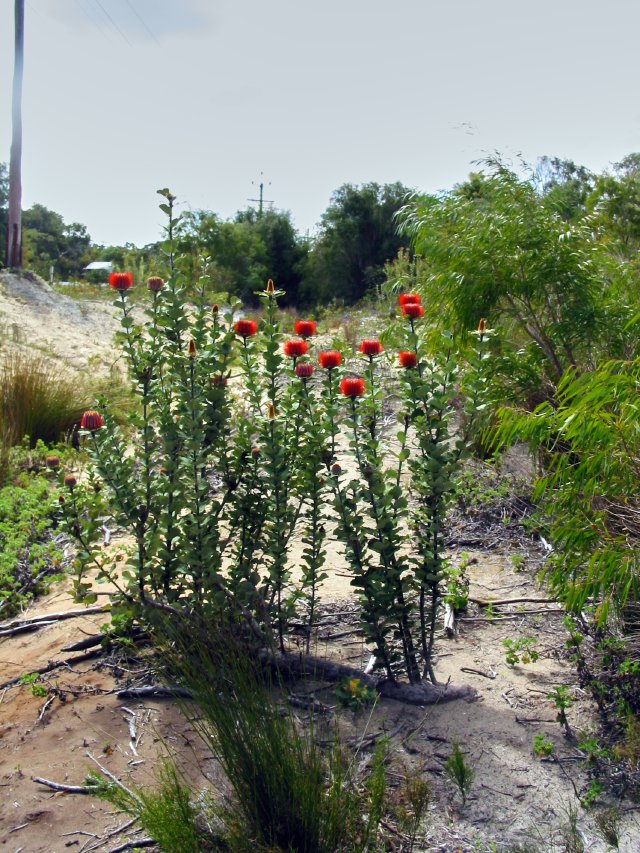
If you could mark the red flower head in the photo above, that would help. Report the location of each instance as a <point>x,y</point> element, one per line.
<point>214,309</point>
<point>246,328</point>
<point>305,328</point>
<point>91,420</point>
<point>409,299</point>
<point>330,359</point>
<point>155,284</point>
<point>121,281</point>
<point>370,347</point>
<point>219,380</point>
<point>407,359</point>
<point>304,371</point>
<point>271,288</point>
<point>53,461</point>
<point>482,326</point>
<point>413,310</point>
<point>191,349</point>
<point>295,347</point>
<point>352,386</point>
<point>70,481</point>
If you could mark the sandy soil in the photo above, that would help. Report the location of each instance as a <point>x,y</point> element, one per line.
<point>516,798</point>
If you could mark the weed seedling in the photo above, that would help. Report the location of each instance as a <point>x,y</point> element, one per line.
<point>562,699</point>
<point>520,650</point>
<point>459,771</point>
<point>542,747</point>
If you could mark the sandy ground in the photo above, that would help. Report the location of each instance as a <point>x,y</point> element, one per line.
<point>516,798</point>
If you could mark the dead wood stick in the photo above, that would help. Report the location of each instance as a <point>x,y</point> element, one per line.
<point>151,691</point>
<point>477,672</point>
<point>133,845</point>
<point>54,665</point>
<point>137,633</point>
<point>486,602</point>
<point>58,617</point>
<point>23,629</point>
<point>66,789</point>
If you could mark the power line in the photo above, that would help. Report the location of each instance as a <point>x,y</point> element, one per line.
<point>142,21</point>
<point>92,19</point>
<point>113,22</point>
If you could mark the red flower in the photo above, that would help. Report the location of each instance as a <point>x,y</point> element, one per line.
<point>219,380</point>
<point>370,347</point>
<point>246,328</point>
<point>482,326</point>
<point>409,299</point>
<point>155,284</point>
<point>70,481</point>
<point>352,386</point>
<point>305,328</point>
<point>121,281</point>
<point>53,461</point>
<point>91,420</point>
<point>295,347</point>
<point>413,310</point>
<point>271,288</point>
<point>407,359</point>
<point>329,359</point>
<point>304,371</point>
<point>191,349</point>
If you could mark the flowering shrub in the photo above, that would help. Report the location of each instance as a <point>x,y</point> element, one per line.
<point>237,450</point>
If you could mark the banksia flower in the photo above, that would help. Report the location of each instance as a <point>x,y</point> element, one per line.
<point>295,347</point>
<point>304,371</point>
<point>53,461</point>
<point>155,284</point>
<point>336,469</point>
<point>245,328</point>
<point>70,481</point>
<point>214,309</point>
<point>271,287</point>
<point>271,411</point>
<point>255,453</point>
<point>329,359</point>
<point>305,328</point>
<point>482,326</point>
<point>352,386</point>
<point>413,310</point>
<point>370,347</point>
<point>407,359</point>
<point>91,420</point>
<point>121,281</point>
<point>191,349</point>
<point>409,299</point>
<point>219,380</point>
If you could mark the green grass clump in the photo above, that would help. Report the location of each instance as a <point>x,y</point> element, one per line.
<point>289,794</point>
<point>38,398</point>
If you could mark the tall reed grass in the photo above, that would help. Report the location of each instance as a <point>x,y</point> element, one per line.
<point>38,398</point>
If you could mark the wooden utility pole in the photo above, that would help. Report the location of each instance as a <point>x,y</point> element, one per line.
<point>14,237</point>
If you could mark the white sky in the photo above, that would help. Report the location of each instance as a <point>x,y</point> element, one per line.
<point>122,97</point>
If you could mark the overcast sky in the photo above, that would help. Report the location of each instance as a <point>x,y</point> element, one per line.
<point>122,97</point>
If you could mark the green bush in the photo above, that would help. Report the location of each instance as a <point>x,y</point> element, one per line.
<point>27,551</point>
<point>589,446</point>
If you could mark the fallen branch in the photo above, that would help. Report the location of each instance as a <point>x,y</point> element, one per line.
<point>58,617</point>
<point>153,691</point>
<point>133,845</point>
<point>55,665</point>
<point>65,789</point>
<point>487,602</point>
